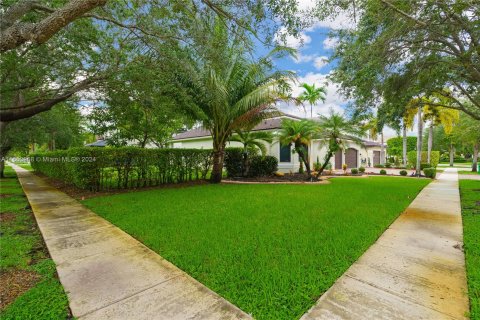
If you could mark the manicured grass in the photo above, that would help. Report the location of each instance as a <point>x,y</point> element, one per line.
<point>270,249</point>
<point>22,249</point>
<point>466,172</point>
<point>470,196</point>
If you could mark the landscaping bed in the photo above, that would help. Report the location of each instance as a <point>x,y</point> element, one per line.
<point>29,287</point>
<point>470,197</point>
<point>272,250</point>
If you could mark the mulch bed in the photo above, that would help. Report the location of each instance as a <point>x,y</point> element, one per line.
<point>14,283</point>
<point>295,177</point>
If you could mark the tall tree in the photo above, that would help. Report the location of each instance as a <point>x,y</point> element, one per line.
<point>439,116</point>
<point>52,51</point>
<point>468,132</point>
<point>311,94</point>
<point>229,91</point>
<point>403,49</point>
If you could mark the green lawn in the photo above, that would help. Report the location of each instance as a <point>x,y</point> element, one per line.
<point>23,251</point>
<point>270,249</point>
<point>466,172</point>
<point>470,195</point>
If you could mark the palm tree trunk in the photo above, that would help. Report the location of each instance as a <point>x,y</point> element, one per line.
<point>418,170</point>
<point>217,170</point>
<point>430,143</point>
<point>452,153</point>
<point>404,150</point>
<point>382,149</point>
<point>475,157</point>
<point>326,162</point>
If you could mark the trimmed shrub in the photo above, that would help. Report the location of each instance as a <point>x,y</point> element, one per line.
<point>383,171</point>
<point>354,171</point>
<point>234,162</point>
<point>388,165</point>
<point>361,169</point>
<point>424,165</point>
<point>262,166</point>
<point>403,172</point>
<point>430,172</point>
<point>378,166</point>
<point>412,158</point>
<point>122,168</point>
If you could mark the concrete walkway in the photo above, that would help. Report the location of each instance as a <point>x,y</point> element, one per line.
<point>106,273</point>
<point>415,270</point>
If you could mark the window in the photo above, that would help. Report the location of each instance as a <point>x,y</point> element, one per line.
<point>285,153</point>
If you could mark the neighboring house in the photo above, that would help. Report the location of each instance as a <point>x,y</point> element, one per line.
<point>355,156</point>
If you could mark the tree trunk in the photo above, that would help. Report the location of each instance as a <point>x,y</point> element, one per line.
<point>382,149</point>
<point>452,153</point>
<point>475,157</point>
<point>404,149</point>
<point>325,163</point>
<point>3,155</point>
<point>418,170</point>
<point>430,143</point>
<point>217,170</point>
<point>304,159</point>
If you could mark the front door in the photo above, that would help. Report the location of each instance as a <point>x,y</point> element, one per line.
<point>376,157</point>
<point>338,160</point>
<point>351,158</point>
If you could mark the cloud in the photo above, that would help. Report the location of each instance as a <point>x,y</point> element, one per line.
<point>330,43</point>
<point>320,62</point>
<point>290,41</point>
<point>333,98</point>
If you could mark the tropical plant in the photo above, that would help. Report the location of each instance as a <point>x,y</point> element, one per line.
<point>311,94</point>
<point>300,133</point>
<point>335,130</point>
<point>448,118</point>
<point>251,139</point>
<point>468,131</point>
<point>229,91</point>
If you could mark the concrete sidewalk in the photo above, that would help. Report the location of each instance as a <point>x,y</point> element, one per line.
<point>415,270</point>
<point>106,273</point>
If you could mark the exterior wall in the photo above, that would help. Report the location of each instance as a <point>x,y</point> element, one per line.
<point>370,155</point>
<point>318,151</point>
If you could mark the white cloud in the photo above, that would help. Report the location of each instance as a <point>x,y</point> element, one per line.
<point>330,43</point>
<point>333,98</point>
<point>290,41</point>
<point>320,62</point>
<point>342,21</point>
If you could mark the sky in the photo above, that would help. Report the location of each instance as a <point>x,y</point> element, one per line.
<point>315,47</point>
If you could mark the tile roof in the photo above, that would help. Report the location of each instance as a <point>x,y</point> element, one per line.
<point>267,124</point>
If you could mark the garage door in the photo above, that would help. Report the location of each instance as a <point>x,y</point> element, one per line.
<point>351,158</point>
<point>338,159</point>
<point>376,157</point>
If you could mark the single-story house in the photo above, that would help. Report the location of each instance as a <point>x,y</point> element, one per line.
<point>354,156</point>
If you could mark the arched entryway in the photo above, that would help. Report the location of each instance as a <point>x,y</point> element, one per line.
<point>351,158</point>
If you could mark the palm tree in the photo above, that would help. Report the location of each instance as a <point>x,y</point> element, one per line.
<point>311,94</point>
<point>336,131</point>
<point>230,92</point>
<point>251,139</point>
<point>300,134</point>
<point>439,115</point>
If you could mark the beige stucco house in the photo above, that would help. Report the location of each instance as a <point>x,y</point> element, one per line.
<point>354,156</point>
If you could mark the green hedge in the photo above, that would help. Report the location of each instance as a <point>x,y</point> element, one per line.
<point>263,166</point>
<point>122,168</point>
<point>434,158</point>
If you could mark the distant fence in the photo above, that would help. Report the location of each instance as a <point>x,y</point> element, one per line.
<point>108,168</point>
